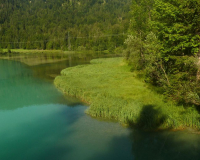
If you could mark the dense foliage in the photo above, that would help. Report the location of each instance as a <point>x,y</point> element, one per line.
<point>63,24</point>
<point>166,46</point>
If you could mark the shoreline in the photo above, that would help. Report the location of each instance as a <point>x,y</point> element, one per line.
<point>115,93</point>
<point>37,57</point>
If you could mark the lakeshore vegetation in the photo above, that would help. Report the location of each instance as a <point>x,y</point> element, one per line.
<point>157,82</point>
<point>114,92</point>
<point>163,49</point>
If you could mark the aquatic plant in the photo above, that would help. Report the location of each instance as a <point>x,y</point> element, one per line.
<point>113,92</point>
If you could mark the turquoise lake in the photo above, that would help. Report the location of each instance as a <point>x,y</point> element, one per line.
<point>37,122</point>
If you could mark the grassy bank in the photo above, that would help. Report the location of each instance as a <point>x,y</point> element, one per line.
<point>116,93</point>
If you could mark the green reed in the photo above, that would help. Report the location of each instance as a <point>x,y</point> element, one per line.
<point>113,92</point>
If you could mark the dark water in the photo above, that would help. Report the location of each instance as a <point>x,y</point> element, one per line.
<point>50,70</point>
<point>37,122</point>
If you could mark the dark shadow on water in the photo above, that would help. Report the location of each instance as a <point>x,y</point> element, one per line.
<point>161,145</point>
<point>118,149</point>
<point>165,145</point>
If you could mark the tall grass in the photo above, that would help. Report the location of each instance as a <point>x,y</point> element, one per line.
<point>114,92</point>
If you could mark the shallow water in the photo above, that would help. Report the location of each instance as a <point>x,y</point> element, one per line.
<point>37,122</point>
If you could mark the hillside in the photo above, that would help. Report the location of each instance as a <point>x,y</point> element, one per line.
<point>53,24</point>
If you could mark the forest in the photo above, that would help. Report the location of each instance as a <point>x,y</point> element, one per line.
<point>164,45</point>
<point>160,39</point>
<point>65,24</point>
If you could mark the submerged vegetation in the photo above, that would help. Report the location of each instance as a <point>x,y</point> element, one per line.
<point>37,57</point>
<point>114,92</point>
<point>34,57</point>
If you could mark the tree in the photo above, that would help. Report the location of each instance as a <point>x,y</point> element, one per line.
<point>165,44</point>
<point>177,24</point>
<point>139,28</point>
<point>33,21</point>
<point>141,16</point>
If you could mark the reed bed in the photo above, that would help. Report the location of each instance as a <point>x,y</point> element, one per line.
<point>113,92</point>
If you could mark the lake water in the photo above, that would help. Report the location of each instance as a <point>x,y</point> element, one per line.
<point>37,122</point>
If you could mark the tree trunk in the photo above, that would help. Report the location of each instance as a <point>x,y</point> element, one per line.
<point>165,74</point>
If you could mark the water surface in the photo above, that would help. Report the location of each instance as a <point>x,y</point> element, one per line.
<point>37,122</point>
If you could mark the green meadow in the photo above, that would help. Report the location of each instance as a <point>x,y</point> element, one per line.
<point>113,92</point>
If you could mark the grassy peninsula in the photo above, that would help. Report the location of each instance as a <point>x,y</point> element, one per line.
<point>113,92</point>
